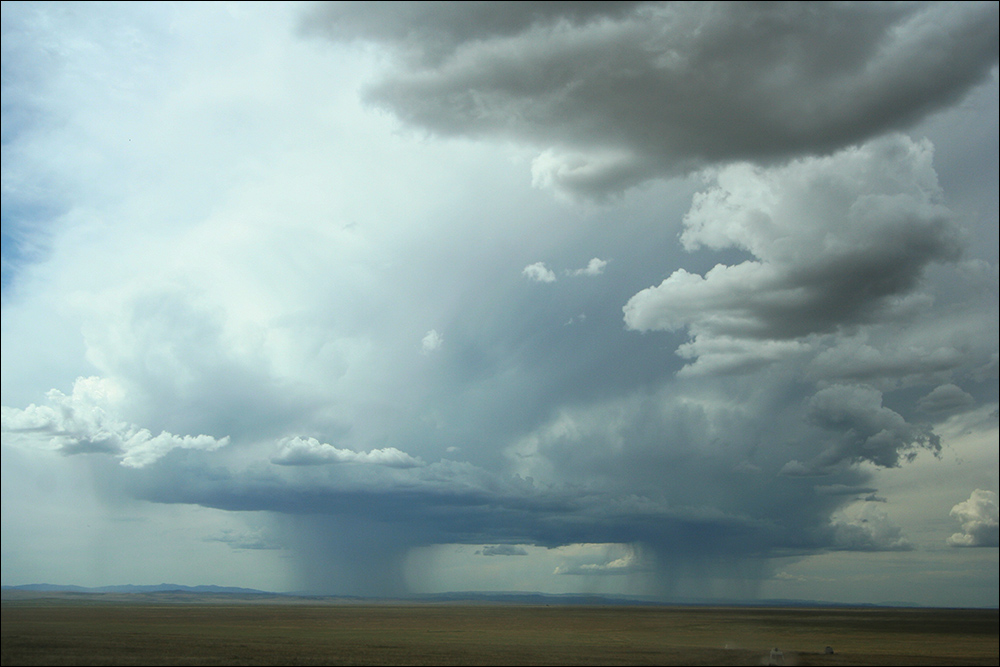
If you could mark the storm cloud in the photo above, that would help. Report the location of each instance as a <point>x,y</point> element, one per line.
<point>317,251</point>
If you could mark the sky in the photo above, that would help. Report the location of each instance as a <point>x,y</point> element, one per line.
<point>679,300</point>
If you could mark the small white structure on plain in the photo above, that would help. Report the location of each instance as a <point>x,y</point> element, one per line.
<point>829,650</point>
<point>777,657</point>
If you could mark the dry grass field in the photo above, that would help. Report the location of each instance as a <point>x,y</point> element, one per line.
<point>123,630</point>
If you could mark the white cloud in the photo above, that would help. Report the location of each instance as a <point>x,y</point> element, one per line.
<point>595,267</point>
<point>611,563</point>
<point>85,422</point>
<point>431,341</point>
<point>539,273</point>
<point>297,451</point>
<point>980,519</point>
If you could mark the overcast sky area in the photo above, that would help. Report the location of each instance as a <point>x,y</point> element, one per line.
<point>691,301</point>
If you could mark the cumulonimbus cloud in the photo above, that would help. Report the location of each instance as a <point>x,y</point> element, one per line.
<point>307,324</point>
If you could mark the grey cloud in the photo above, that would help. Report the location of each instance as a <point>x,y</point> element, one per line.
<point>502,550</point>
<point>174,353</point>
<point>990,369</point>
<point>866,430</point>
<point>455,502</point>
<point>859,361</point>
<point>980,519</point>
<point>619,94</point>
<point>843,490</point>
<point>666,445</point>
<point>254,540</point>
<point>665,473</point>
<point>837,242</point>
<point>868,530</point>
<point>434,30</point>
<point>945,399</point>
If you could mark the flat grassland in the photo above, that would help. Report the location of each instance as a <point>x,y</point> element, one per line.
<point>112,630</point>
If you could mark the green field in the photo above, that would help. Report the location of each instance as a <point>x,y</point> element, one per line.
<point>127,630</point>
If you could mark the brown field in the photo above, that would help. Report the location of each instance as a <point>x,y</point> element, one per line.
<point>131,630</point>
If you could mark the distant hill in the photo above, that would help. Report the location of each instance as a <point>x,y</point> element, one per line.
<point>480,597</point>
<point>129,588</point>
